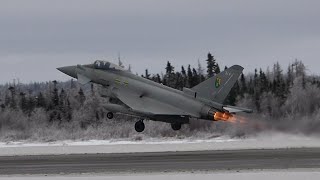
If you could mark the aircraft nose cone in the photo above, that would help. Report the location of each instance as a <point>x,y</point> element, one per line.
<point>69,70</point>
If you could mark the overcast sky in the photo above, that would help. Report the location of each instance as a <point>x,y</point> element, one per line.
<point>36,36</point>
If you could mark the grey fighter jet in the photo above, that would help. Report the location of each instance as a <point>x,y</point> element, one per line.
<point>135,96</point>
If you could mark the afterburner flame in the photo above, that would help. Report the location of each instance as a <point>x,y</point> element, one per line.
<point>220,116</point>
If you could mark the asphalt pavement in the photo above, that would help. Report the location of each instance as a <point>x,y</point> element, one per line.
<point>162,162</point>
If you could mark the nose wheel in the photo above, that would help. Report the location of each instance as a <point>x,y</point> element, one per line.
<point>110,115</point>
<point>139,126</point>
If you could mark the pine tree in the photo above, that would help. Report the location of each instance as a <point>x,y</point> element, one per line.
<point>183,71</point>
<point>211,65</point>
<point>304,81</point>
<point>68,111</point>
<point>179,81</point>
<point>82,97</point>
<point>290,75</point>
<point>264,82</point>
<point>31,105</point>
<point>195,78</point>
<point>279,85</point>
<point>147,75</point>
<point>41,102</point>
<point>63,106</point>
<point>184,76</point>
<point>169,68</point>
<point>23,102</point>
<point>62,97</point>
<point>13,103</point>
<point>159,78</point>
<point>190,77</point>
<point>243,85</point>
<point>257,90</point>
<point>299,68</point>
<point>170,75</point>
<point>55,97</point>
<point>218,69</point>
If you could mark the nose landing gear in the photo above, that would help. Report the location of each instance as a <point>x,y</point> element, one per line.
<point>110,115</point>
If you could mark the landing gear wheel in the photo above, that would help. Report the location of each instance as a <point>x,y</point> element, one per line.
<point>139,126</point>
<point>110,115</point>
<point>176,126</point>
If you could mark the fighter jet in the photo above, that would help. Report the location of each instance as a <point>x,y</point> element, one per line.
<point>144,99</point>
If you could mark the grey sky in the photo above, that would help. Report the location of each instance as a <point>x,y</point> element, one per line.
<point>37,36</point>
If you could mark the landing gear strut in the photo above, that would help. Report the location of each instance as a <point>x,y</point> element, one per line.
<point>176,126</point>
<point>139,126</point>
<point>110,115</point>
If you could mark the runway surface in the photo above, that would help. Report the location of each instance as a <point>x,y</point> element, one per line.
<point>162,162</point>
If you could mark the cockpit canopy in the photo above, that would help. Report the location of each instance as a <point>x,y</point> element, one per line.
<point>105,65</point>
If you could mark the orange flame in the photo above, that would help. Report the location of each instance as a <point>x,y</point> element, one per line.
<point>220,116</point>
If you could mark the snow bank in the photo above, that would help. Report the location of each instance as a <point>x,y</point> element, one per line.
<point>264,141</point>
<point>263,175</point>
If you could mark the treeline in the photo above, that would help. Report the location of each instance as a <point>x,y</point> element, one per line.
<point>60,99</point>
<point>274,84</point>
<point>273,93</point>
<point>185,77</point>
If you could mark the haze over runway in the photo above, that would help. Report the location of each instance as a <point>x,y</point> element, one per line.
<point>39,35</point>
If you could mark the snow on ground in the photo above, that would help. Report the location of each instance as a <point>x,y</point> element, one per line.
<point>263,141</point>
<point>264,175</point>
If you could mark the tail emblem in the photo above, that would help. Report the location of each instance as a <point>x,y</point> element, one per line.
<point>218,82</point>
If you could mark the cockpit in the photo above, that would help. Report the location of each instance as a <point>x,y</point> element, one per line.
<point>105,65</point>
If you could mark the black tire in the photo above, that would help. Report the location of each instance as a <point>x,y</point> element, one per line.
<point>139,126</point>
<point>176,126</point>
<point>110,115</point>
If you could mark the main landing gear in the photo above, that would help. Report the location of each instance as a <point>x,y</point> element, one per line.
<point>176,126</point>
<point>139,126</point>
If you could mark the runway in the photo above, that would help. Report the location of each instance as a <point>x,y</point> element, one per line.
<point>162,162</point>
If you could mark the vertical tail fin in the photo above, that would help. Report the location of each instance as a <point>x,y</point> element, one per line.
<point>218,87</point>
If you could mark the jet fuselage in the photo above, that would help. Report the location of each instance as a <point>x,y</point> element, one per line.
<point>145,88</point>
<point>145,99</point>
